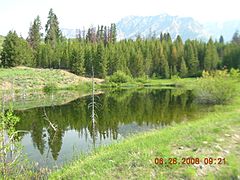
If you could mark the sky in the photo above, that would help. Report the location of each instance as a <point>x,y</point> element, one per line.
<point>18,14</point>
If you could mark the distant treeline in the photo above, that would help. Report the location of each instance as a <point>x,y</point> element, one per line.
<point>98,47</point>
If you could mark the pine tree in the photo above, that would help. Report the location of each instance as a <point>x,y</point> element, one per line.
<point>34,34</point>
<point>136,63</point>
<point>173,60</point>
<point>221,40</point>
<point>105,36</point>
<point>236,38</point>
<point>183,69</point>
<point>180,50</point>
<point>9,53</point>
<point>113,33</point>
<point>191,59</point>
<point>211,59</point>
<point>99,62</point>
<point>164,68</point>
<point>16,51</point>
<point>53,32</point>
<point>24,54</point>
<point>77,59</point>
<point>147,63</point>
<point>88,57</point>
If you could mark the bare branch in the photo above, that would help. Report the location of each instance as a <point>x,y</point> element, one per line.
<point>47,119</point>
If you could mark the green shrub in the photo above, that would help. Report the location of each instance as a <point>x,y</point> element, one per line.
<point>119,77</point>
<point>50,87</point>
<point>143,79</point>
<point>215,88</point>
<point>234,73</point>
<point>175,77</point>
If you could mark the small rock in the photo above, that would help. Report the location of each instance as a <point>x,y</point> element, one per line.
<point>227,135</point>
<point>218,147</point>
<point>220,140</point>
<point>201,166</point>
<point>236,136</point>
<point>181,147</point>
<point>195,149</point>
<point>226,151</point>
<point>205,142</point>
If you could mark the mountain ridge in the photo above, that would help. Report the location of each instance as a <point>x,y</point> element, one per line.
<point>186,27</point>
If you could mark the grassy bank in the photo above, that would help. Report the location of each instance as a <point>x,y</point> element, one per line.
<point>128,82</point>
<point>216,135</point>
<point>24,78</point>
<point>24,87</point>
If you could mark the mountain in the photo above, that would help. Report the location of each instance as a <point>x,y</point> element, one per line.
<point>187,27</point>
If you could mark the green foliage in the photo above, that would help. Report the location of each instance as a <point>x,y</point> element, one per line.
<point>215,88</point>
<point>236,38</point>
<point>13,163</point>
<point>191,58</point>
<point>235,73</point>
<point>77,60</point>
<point>53,32</point>
<point>34,34</point>
<point>231,56</point>
<point>136,63</point>
<point>211,59</point>
<point>8,139</point>
<point>50,87</point>
<point>1,42</point>
<point>119,77</point>
<point>16,51</point>
<point>98,47</point>
<point>183,69</point>
<point>99,62</point>
<point>175,77</point>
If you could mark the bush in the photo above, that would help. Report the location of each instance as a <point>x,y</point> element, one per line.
<point>119,77</point>
<point>215,88</point>
<point>235,73</point>
<point>143,79</point>
<point>50,87</point>
<point>175,77</point>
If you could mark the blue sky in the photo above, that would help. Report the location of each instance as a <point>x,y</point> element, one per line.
<point>18,14</point>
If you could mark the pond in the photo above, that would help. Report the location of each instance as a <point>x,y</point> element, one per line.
<point>120,113</point>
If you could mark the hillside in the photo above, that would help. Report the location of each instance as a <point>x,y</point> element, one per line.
<point>21,78</point>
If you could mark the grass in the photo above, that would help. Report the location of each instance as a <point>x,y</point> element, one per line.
<point>21,78</point>
<point>25,87</point>
<point>215,135</point>
<point>143,82</point>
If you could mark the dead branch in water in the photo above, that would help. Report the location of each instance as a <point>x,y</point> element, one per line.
<point>47,119</point>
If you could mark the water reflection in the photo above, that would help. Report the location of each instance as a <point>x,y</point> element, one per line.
<point>121,112</point>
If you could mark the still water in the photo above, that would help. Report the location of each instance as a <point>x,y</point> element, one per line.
<point>120,113</point>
